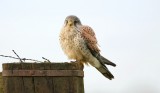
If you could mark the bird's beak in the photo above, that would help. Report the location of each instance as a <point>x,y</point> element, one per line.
<point>70,23</point>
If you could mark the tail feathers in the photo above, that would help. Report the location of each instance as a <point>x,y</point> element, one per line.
<point>106,61</point>
<point>104,70</point>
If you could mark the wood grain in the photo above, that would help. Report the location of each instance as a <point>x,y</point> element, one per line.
<point>43,84</point>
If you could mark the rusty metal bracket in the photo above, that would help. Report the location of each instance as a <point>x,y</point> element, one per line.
<point>30,73</point>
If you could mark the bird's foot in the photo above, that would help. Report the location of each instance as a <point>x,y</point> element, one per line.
<point>74,61</point>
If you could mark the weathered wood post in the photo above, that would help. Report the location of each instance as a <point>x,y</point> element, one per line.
<point>43,77</point>
<point>1,83</point>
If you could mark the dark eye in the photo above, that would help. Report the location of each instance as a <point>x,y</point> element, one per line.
<point>75,22</point>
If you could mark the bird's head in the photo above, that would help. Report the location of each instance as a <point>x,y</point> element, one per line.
<point>72,21</point>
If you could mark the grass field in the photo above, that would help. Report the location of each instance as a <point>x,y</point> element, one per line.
<point>1,83</point>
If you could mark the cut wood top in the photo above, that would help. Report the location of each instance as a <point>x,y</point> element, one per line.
<point>43,66</point>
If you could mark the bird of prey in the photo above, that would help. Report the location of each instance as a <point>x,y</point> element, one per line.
<point>79,43</point>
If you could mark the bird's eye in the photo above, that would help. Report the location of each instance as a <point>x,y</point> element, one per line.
<point>75,22</point>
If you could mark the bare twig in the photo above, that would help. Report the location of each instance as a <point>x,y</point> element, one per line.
<point>17,56</point>
<point>9,56</point>
<point>24,59</point>
<point>46,59</point>
<point>21,58</point>
<point>31,60</point>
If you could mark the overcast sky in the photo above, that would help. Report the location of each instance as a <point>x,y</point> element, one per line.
<point>128,32</point>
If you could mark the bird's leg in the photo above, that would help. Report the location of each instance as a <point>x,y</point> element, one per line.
<point>78,61</point>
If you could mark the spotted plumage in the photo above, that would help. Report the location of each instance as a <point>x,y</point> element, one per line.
<point>79,43</point>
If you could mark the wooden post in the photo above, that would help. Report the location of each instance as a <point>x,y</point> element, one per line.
<point>1,83</point>
<point>43,77</point>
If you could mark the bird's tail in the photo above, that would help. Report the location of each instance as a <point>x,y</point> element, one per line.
<point>106,61</point>
<point>103,69</point>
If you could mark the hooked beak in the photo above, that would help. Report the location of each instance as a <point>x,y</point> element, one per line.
<point>70,23</point>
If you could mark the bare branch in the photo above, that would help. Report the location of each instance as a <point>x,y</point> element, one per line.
<point>9,56</point>
<point>21,58</point>
<point>46,59</point>
<point>17,56</point>
<point>31,60</point>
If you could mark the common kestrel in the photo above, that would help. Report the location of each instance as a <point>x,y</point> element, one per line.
<point>79,43</point>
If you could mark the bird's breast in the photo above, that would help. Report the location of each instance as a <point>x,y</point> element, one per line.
<point>70,42</point>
